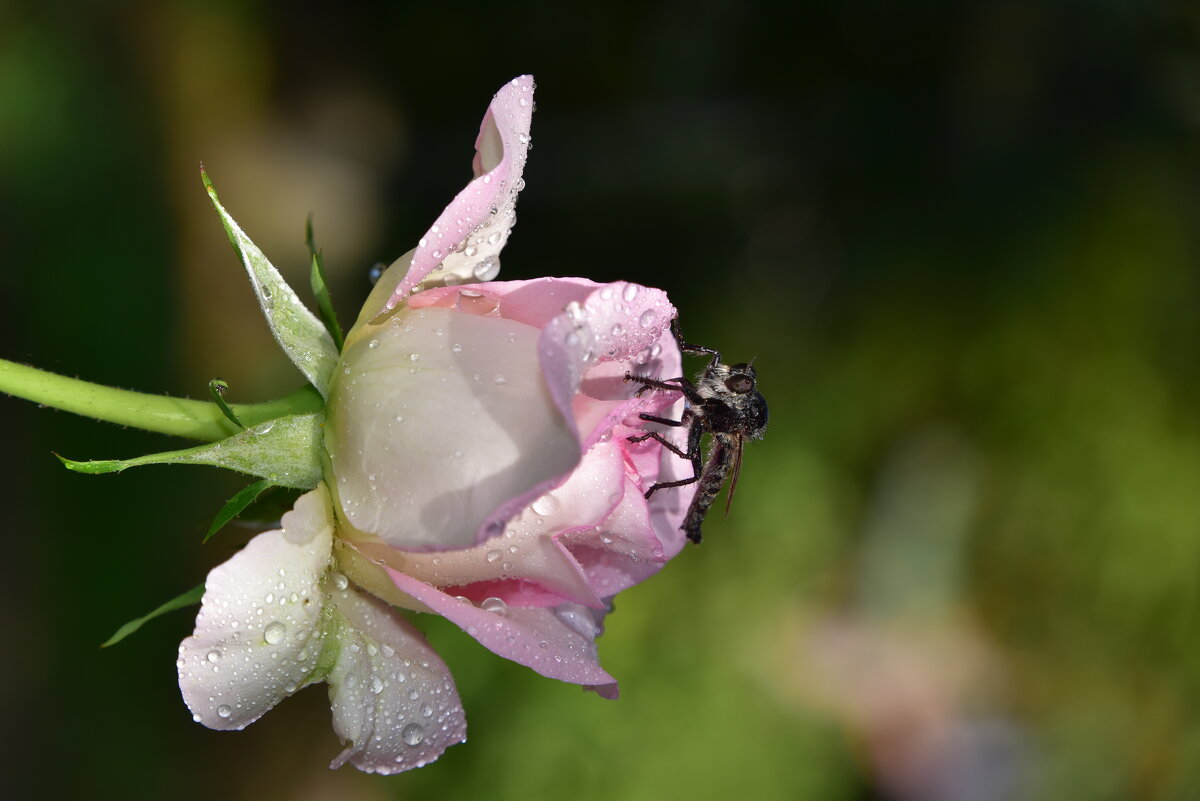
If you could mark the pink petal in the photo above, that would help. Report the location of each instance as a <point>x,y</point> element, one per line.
<point>481,216</point>
<point>529,549</point>
<point>394,701</point>
<point>534,637</point>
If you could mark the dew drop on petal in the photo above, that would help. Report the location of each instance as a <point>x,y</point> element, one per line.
<point>224,711</point>
<point>494,605</point>
<point>413,734</point>
<point>630,292</point>
<point>376,685</point>
<point>274,633</point>
<point>493,556</point>
<point>340,581</point>
<point>646,319</point>
<point>545,505</point>
<point>373,344</point>
<point>486,270</point>
<point>214,655</point>
<point>618,330</point>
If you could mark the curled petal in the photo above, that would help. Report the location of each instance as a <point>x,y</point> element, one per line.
<point>258,636</point>
<point>535,637</point>
<point>394,701</point>
<point>527,565</point>
<point>467,238</point>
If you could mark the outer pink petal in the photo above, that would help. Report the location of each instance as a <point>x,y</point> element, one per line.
<point>551,644</point>
<point>394,701</point>
<point>489,201</point>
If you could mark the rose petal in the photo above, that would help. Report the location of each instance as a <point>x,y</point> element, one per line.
<point>394,701</point>
<point>542,572</point>
<point>469,235</point>
<point>444,428</point>
<point>258,634</point>
<point>534,637</point>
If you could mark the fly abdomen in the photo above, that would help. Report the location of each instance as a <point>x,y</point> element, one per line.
<point>711,479</point>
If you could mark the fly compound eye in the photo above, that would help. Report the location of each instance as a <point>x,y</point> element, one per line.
<point>739,383</point>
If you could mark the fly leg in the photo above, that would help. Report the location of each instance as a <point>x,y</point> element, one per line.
<point>692,454</point>
<point>687,347</point>
<point>670,384</point>
<point>688,416</point>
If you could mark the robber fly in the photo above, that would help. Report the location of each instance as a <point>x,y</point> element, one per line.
<point>724,401</point>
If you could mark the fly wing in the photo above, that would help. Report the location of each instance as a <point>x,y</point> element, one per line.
<point>737,468</point>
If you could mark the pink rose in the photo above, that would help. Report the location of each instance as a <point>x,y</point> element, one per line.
<point>479,468</point>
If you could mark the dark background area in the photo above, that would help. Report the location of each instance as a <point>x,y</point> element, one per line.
<point>957,238</point>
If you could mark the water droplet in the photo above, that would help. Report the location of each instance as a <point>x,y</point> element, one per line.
<point>500,380</point>
<point>630,292</point>
<point>426,711</point>
<point>274,633</point>
<point>373,344</point>
<point>457,348</point>
<point>270,599</point>
<point>414,357</point>
<point>413,734</point>
<point>493,556</point>
<point>486,270</point>
<point>547,504</point>
<point>655,349</point>
<point>422,242</point>
<point>340,581</point>
<point>646,318</point>
<point>618,330</point>
<point>214,655</point>
<point>376,685</point>
<point>224,711</point>
<point>494,605</point>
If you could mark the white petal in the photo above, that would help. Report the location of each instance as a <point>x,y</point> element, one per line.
<point>442,419</point>
<point>258,635</point>
<point>394,702</point>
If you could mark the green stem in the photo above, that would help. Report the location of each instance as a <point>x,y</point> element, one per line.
<point>180,417</point>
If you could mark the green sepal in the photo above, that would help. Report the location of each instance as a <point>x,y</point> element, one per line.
<point>286,451</point>
<point>301,335</point>
<point>320,288</point>
<point>189,598</point>
<point>217,388</point>
<point>236,505</point>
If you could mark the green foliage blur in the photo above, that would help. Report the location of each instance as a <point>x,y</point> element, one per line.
<point>958,240</point>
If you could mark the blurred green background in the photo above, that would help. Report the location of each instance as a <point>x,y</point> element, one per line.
<point>964,563</point>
